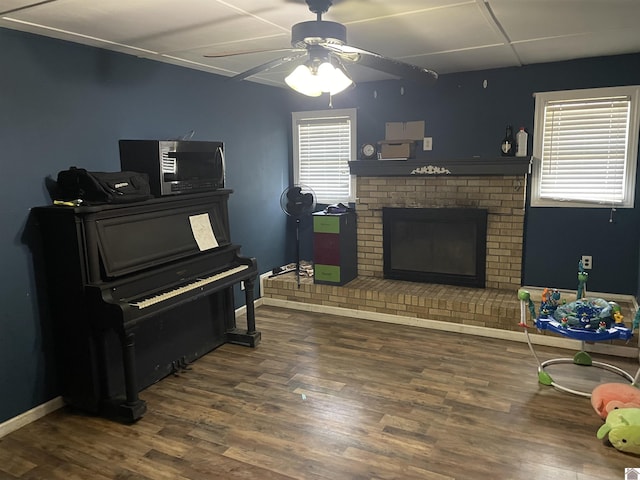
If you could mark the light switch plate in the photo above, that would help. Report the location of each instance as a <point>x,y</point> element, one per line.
<point>427,143</point>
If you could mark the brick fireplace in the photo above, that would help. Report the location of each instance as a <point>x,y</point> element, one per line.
<point>497,185</point>
<point>503,196</point>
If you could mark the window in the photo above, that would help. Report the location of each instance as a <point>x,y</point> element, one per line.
<point>323,144</point>
<point>585,148</point>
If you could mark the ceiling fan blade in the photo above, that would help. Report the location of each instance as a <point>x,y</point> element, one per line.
<point>247,52</point>
<point>269,65</point>
<point>391,66</point>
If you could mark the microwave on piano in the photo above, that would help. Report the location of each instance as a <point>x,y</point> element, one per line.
<point>175,166</point>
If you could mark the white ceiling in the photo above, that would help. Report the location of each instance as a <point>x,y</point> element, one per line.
<point>442,35</point>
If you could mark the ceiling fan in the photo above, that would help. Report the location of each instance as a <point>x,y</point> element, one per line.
<point>324,44</point>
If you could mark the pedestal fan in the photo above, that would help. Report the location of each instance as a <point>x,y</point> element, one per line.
<point>297,201</point>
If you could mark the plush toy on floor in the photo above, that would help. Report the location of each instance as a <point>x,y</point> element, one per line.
<point>623,428</point>
<point>611,396</point>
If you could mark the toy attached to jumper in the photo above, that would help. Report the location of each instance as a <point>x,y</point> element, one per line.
<point>589,313</point>
<point>582,281</point>
<point>623,430</point>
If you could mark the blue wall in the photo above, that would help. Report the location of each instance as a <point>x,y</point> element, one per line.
<point>64,104</point>
<point>465,119</point>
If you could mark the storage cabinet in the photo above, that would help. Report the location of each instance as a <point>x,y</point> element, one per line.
<point>335,253</point>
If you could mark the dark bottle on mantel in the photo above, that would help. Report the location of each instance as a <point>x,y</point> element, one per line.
<point>508,147</point>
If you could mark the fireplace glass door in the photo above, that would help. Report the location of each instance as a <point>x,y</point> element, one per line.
<point>435,245</point>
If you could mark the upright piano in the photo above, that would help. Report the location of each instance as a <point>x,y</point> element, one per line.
<point>138,291</point>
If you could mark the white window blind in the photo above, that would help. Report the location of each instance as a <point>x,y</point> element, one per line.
<point>323,146</point>
<point>585,148</point>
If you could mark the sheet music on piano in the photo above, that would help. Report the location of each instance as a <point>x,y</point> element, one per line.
<point>203,231</point>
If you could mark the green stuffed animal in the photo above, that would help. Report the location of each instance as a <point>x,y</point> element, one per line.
<point>623,427</point>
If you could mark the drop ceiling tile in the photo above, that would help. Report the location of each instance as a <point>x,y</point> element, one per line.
<point>159,25</point>
<point>349,11</point>
<point>469,60</point>
<point>343,11</point>
<point>578,46</point>
<point>444,30</point>
<point>545,18</point>
<point>283,13</point>
<point>8,5</point>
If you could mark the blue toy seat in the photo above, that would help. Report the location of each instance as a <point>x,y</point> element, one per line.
<point>615,332</point>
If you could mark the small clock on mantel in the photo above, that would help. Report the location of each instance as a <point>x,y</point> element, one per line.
<point>368,151</point>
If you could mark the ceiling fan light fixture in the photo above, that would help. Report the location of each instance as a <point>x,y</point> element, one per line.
<point>303,81</point>
<point>340,80</point>
<point>312,79</point>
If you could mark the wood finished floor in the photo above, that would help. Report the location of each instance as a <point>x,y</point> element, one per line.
<point>327,397</point>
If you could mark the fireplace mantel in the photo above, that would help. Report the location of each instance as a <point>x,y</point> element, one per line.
<point>427,167</point>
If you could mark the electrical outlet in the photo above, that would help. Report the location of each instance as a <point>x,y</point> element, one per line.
<point>427,143</point>
<point>587,262</point>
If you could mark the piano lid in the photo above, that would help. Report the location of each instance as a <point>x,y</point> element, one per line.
<point>142,240</point>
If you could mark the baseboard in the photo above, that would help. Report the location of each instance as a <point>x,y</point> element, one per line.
<point>544,340</point>
<point>29,416</point>
<point>243,309</point>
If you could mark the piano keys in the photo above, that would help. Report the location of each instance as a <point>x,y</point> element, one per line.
<point>137,292</point>
<point>199,283</point>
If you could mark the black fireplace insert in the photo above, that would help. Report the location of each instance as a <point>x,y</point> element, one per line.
<point>435,245</point>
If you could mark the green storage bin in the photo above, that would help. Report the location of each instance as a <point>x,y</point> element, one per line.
<point>327,273</point>
<point>326,224</point>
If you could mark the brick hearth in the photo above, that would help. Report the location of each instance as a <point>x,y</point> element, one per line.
<point>480,307</point>
<point>485,312</point>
